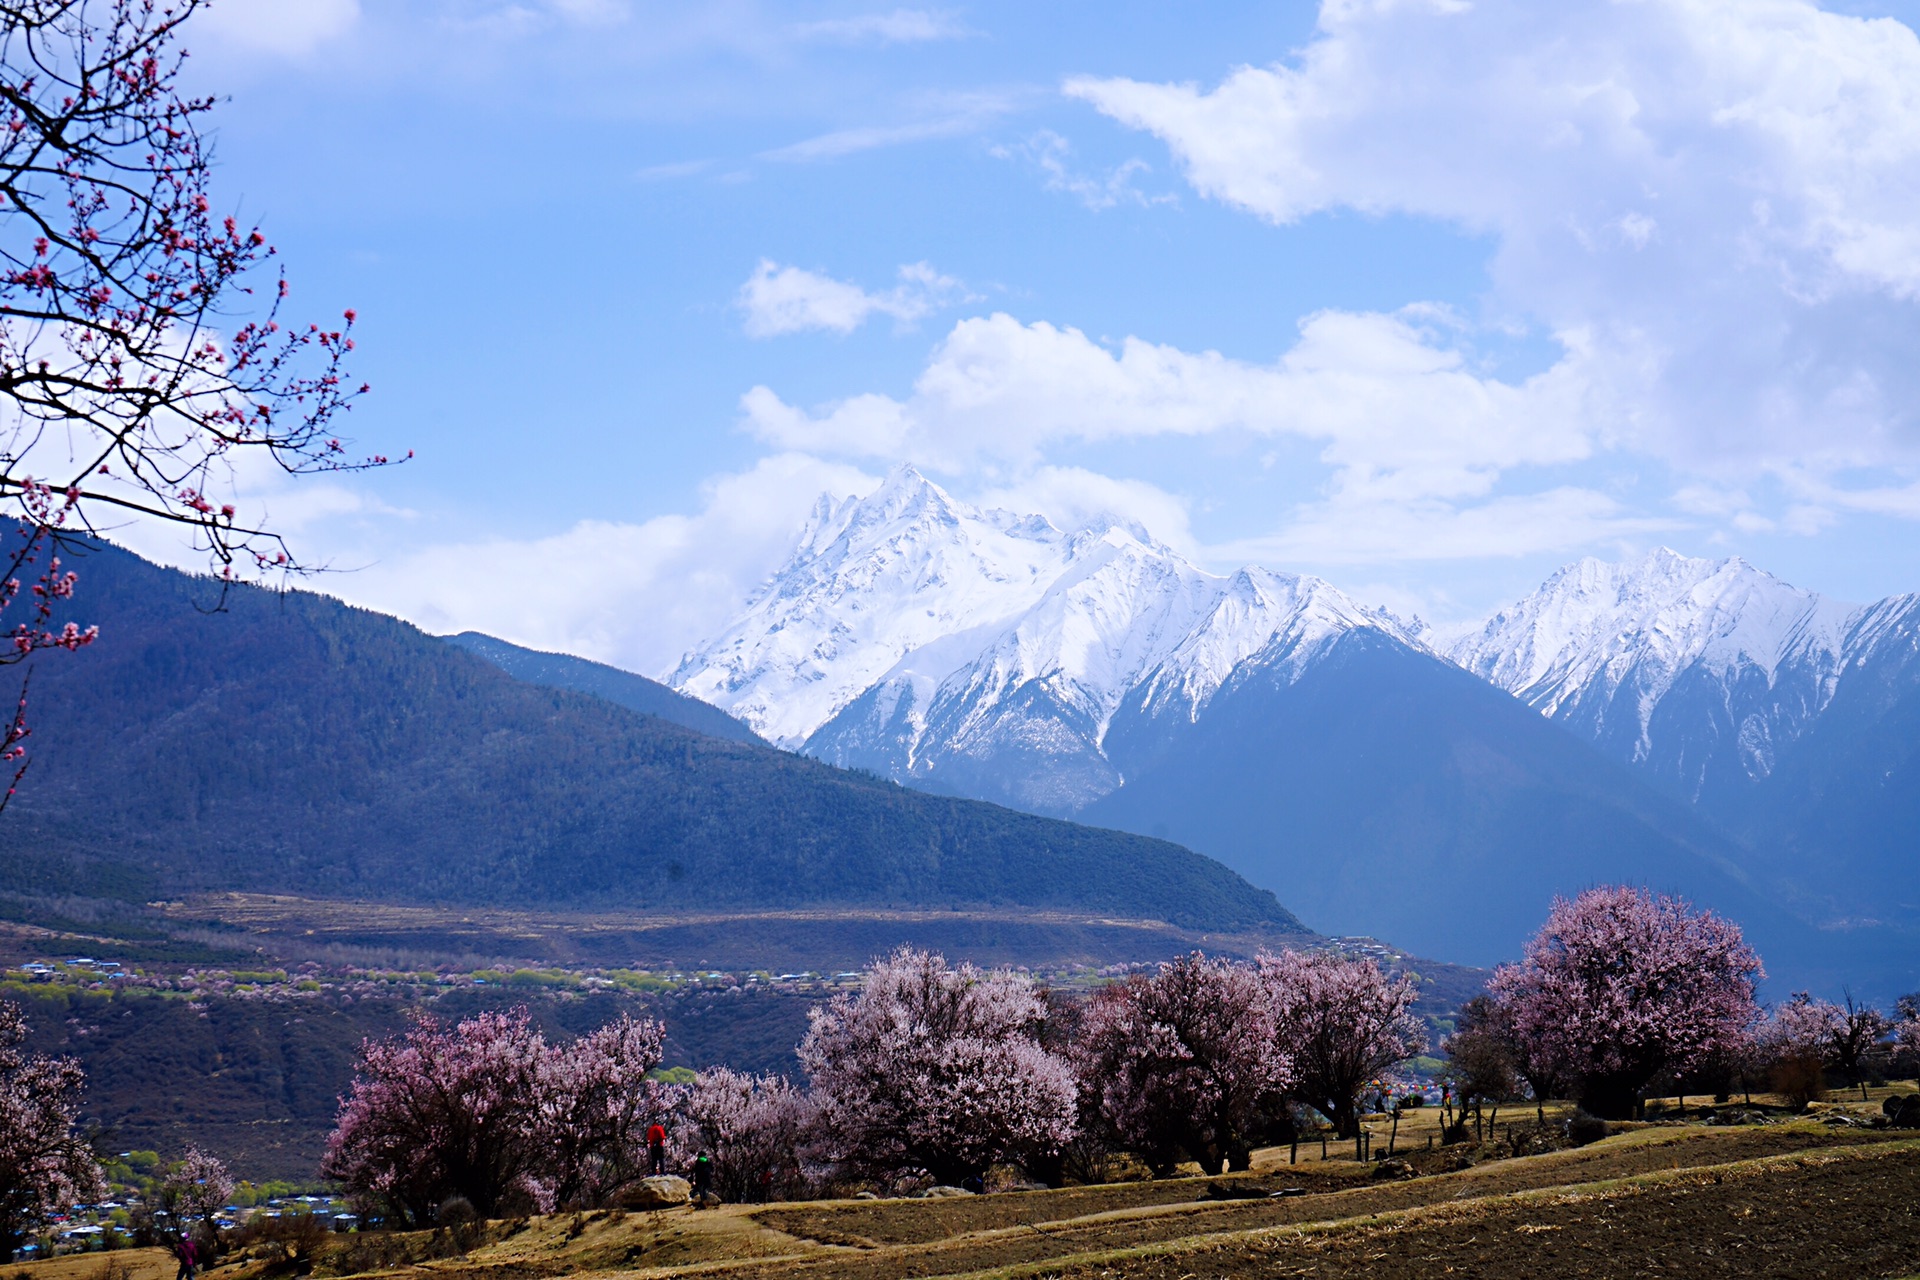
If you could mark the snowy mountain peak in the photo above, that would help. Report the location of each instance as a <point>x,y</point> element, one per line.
<point>1731,661</point>
<point>934,616</point>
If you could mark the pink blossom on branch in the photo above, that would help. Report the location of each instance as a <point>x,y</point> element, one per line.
<point>45,1166</point>
<point>936,1072</point>
<point>1185,1062</point>
<point>755,1128</point>
<point>1620,986</point>
<point>1344,1021</point>
<point>595,1105</point>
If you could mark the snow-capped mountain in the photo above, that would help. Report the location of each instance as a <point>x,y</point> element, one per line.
<point>1699,671</point>
<point>988,653</point>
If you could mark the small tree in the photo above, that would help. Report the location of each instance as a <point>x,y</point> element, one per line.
<point>595,1104</point>
<point>1842,1037</point>
<point>1481,1064</point>
<point>754,1127</point>
<point>44,1164</point>
<point>1791,1048</point>
<point>1184,1062</point>
<point>1906,1031</point>
<point>1344,1022</point>
<point>936,1072</point>
<point>1619,986</point>
<point>440,1112</point>
<point>195,1190</point>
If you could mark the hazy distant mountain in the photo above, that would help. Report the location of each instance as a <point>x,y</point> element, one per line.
<point>1790,718</point>
<point>1699,672</point>
<point>295,744</point>
<point>637,693</point>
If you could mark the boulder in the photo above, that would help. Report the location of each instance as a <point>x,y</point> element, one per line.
<point>1392,1169</point>
<point>1902,1110</point>
<point>941,1193</point>
<point>662,1191</point>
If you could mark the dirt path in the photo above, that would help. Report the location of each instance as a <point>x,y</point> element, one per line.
<point>1853,1214</point>
<point>1009,1230</point>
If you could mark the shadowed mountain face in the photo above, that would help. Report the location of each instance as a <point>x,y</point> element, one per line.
<point>636,693</point>
<point>1393,793</point>
<point>294,744</point>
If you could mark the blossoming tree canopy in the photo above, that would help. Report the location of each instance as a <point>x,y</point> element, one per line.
<point>1344,1021</point>
<point>1620,986</point>
<point>45,1165</point>
<point>932,1071</point>
<point>1184,1063</point>
<point>136,368</point>
<point>488,1111</point>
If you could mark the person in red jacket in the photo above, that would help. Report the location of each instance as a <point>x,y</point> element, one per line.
<point>188,1255</point>
<point>656,1148</point>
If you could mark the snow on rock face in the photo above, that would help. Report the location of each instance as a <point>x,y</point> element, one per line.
<point>870,580</point>
<point>913,634</point>
<point>1615,650</point>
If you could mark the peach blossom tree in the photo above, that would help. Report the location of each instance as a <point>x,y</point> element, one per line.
<point>1621,986</point>
<point>1184,1063</point>
<point>931,1071</point>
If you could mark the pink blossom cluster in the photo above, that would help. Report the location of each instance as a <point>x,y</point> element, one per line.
<point>488,1112</point>
<point>45,1164</point>
<point>930,1071</point>
<point>1620,987</point>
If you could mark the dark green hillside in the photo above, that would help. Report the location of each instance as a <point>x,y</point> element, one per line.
<point>636,693</point>
<point>294,744</point>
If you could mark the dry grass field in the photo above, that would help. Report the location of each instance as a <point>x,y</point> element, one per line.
<point>1797,1200</point>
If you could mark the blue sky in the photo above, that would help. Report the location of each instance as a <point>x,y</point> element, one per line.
<point>1424,296</point>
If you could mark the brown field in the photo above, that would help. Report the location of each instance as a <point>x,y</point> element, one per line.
<point>1798,1201</point>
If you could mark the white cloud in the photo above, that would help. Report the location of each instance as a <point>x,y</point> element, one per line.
<point>901,26</point>
<point>1399,412</point>
<point>1721,199</point>
<point>950,116</point>
<point>1073,497</point>
<point>1417,442</point>
<point>778,300</point>
<point>288,27</point>
<point>635,595</point>
<point>1053,155</point>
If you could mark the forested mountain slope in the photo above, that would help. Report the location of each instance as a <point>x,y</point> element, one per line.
<point>294,744</point>
<point>636,693</point>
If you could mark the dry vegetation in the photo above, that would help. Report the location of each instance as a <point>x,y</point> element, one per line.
<point>1802,1199</point>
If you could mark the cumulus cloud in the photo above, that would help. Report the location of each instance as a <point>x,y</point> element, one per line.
<point>1719,204</point>
<point>1421,446</point>
<point>778,300</point>
<point>636,595</point>
<point>1400,413</point>
<point>901,26</point>
<point>277,26</point>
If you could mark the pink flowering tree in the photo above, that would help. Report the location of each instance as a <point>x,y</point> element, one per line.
<point>1344,1022</point>
<point>132,377</point>
<point>195,1190</point>
<point>1840,1036</point>
<point>442,1112</point>
<point>1183,1063</point>
<point>1620,986</point>
<point>755,1128</point>
<point>935,1072</point>
<point>45,1165</point>
<point>1906,1035</point>
<point>595,1104</point>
